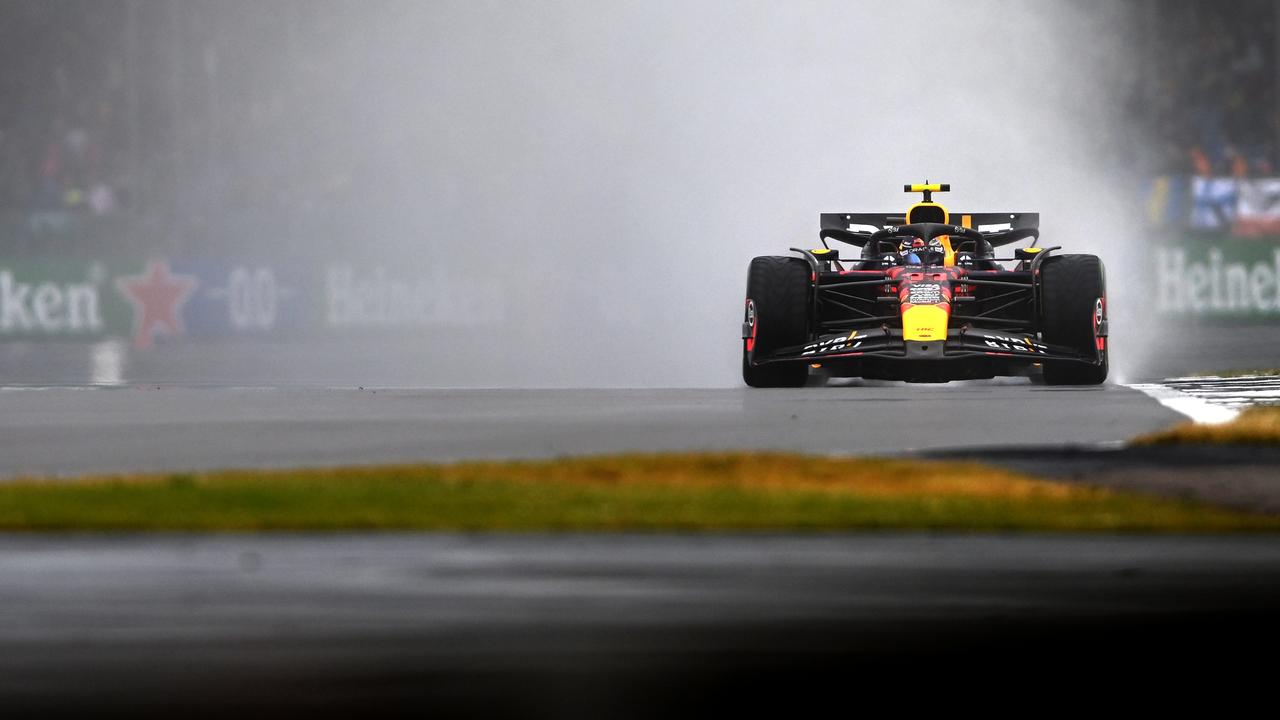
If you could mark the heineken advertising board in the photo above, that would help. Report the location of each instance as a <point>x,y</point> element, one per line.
<point>44,299</point>
<point>1218,277</point>
<point>156,300</point>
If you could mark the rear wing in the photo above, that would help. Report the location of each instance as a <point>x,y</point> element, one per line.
<point>986,222</point>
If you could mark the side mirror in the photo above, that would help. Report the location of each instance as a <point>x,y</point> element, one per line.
<point>1028,253</point>
<point>826,254</point>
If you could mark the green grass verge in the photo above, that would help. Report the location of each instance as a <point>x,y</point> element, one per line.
<point>1259,425</point>
<point>666,492</point>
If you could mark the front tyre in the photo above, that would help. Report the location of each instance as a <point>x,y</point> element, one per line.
<point>777,317</point>
<point>1074,296</point>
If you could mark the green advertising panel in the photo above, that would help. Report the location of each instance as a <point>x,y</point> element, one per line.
<point>1219,277</point>
<point>51,298</point>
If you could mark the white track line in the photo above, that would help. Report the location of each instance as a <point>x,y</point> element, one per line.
<point>1233,391</point>
<point>1201,411</point>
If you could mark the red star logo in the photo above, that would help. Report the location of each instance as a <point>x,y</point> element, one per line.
<point>157,297</point>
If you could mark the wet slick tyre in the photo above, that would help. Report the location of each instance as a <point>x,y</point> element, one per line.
<point>778,307</point>
<point>1072,287</point>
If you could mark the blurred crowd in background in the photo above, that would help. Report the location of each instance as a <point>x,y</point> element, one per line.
<point>63,142</point>
<point>161,117</point>
<point>1207,88</point>
<point>153,115</point>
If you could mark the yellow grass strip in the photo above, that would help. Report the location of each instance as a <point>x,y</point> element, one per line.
<point>709,491</point>
<point>1255,426</point>
<point>1268,372</point>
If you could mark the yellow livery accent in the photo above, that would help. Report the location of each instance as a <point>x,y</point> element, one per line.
<point>949,255</point>
<point>924,322</point>
<point>935,187</point>
<point>928,212</point>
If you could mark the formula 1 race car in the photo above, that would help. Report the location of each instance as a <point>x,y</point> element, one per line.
<point>926,300</point>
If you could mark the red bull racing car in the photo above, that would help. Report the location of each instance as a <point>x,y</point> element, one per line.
<point>926,300</point>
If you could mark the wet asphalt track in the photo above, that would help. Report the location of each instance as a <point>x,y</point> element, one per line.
<point>157,427</point>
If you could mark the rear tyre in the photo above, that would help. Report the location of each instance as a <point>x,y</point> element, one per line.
<point>1074,300</point>
<point>778,314</point>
